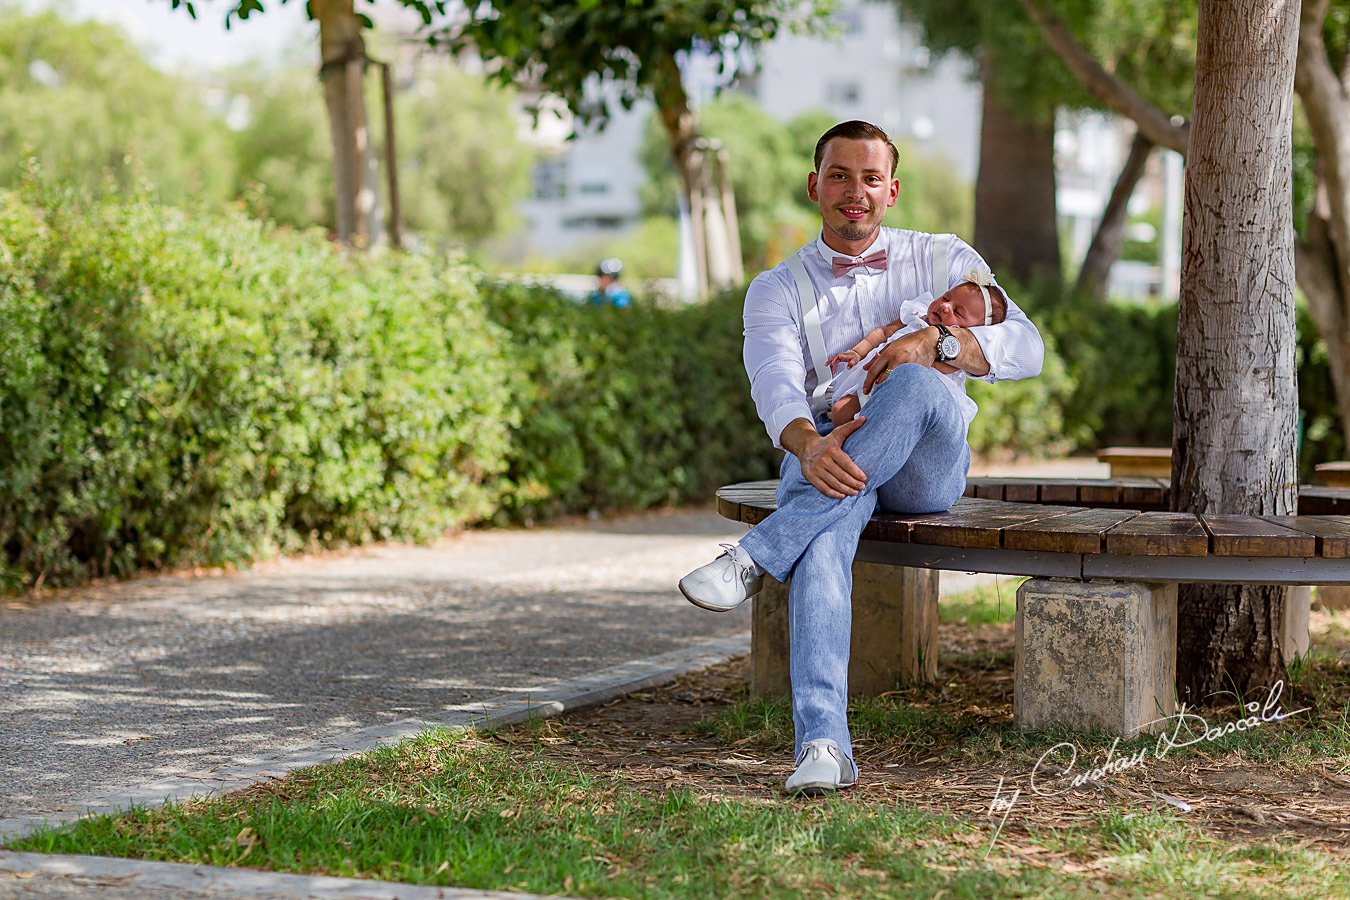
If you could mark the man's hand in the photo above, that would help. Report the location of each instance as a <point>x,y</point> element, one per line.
<point>919,347</point>
<point>823,460</point>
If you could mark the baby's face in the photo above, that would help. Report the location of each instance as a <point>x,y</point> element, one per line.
<point>962,306</point>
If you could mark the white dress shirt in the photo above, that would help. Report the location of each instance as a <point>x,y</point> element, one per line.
<point>776,355</point>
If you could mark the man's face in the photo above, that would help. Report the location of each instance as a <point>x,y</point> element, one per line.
<point>962,306</point>
<point>853,188</point>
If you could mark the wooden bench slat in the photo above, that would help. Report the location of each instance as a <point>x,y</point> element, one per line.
<point>1078,532</point>
<point>1251,536</point>
<point>971,526</point>
<point>1159,534</point>
<point>1149,494</point>
<point>1069,490</point>
<point>989,490</point>
<point>1022,490</point>
<point>1332,532</point>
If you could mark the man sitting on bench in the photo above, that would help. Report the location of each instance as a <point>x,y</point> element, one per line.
<point>907,453</point>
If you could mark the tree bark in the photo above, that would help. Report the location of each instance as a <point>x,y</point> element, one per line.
<point>712,211</point>
<point>1110,236</point>
<point>1233,445</point>
<point>1015,225</point>
<point>356,171</point>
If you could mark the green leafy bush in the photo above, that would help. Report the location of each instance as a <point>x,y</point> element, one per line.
<point>625,408</point>
<point>202,389</point>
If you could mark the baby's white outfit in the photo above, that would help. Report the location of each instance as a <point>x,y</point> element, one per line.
<point>850,381</point>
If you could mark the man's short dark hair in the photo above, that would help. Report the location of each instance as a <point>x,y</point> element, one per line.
<point>857,130</point>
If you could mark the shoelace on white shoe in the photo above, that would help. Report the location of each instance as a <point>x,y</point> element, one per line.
<point>740,569</point>
<point>816,748</point>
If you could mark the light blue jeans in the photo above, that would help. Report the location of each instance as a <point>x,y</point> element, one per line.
<point>913,449</point>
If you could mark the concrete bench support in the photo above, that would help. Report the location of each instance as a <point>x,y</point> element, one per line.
<point>1095,654</point>
<point>895,630</point>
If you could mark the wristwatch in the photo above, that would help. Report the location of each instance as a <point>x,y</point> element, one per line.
<point>948,347</point>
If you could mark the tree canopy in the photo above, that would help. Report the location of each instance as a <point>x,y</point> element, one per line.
<point>80,97</point>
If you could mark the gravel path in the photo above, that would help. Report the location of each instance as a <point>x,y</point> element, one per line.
<point>110,687</point>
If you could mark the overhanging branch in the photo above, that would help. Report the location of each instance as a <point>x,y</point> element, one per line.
<point>1153,123</point>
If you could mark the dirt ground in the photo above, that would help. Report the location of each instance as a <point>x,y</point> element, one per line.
<point>646,739</point>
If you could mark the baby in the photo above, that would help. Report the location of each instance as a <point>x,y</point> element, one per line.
<point>968,304</point>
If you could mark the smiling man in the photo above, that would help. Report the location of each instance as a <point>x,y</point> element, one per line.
<point>907,454</point>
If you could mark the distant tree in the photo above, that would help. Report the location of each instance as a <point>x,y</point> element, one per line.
<point>569,48</point>
<point>80,97</point>
<point>767,173</point>
<point>461,162</point>
<point>284,158</point>
<point>343,66</point>
<point>1024,85</point>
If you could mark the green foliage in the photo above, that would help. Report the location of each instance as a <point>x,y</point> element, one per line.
<point>766,168</point>
<point>562,46</point>
<point>81,96</point>
<point>1121,359</point>
<point>284,155</point>
<point>462,165</point>
<point>624,408</point>
<point>206,389</point>
<point>1026,417</point>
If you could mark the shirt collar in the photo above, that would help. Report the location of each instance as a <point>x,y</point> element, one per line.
<point>828,253</point>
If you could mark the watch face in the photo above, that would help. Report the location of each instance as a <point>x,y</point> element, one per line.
<point>949,347</point>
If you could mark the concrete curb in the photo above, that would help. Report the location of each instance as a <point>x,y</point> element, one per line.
<point>95,871</point>
<point>505,709</point>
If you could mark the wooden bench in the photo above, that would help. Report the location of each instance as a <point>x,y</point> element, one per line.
<point>1096,624</point>
<point>1148,462</point>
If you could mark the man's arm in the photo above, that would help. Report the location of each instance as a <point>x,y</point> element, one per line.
<point>921,347</point>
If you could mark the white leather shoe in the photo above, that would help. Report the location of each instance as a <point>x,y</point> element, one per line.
<point>725,583</point>
<point>821,767</point>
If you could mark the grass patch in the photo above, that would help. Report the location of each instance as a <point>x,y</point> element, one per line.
<point>993,604</point>
<point>455,809</point>
<point>677,793</point>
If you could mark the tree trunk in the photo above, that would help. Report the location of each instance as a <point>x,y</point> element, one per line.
<point>1233,446</point>
<point>1324,250</point>
<point>1015,226</point>
<point>711,209</point>
<point>356,171</point>
<point>1110,236</point>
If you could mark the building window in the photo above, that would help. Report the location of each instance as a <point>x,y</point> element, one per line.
<point>849,22</point>
<point>550,179</point>
<point>842,92</point>
<point>593,187</point>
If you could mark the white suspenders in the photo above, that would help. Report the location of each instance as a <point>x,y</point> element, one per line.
<point>815,338</point>
<point>810,318</point>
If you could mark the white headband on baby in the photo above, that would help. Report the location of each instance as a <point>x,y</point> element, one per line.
<point>984,280</point>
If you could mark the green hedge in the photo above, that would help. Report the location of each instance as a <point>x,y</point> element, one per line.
<point>203,389</point>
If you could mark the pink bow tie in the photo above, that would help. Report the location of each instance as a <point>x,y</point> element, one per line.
<point>842,265</point>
